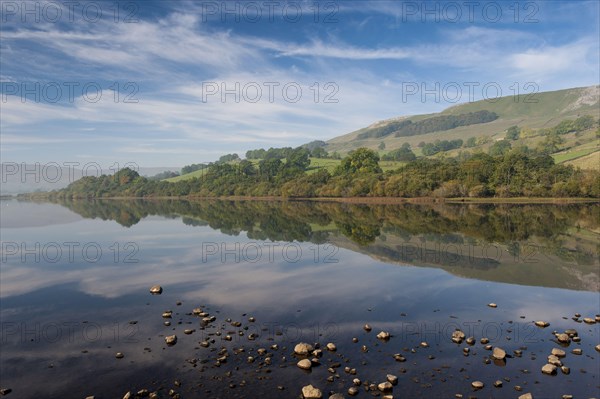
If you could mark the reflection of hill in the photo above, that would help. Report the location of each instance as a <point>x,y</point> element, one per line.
<point>552,245</point>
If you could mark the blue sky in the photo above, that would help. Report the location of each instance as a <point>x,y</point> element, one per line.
<point>168,72</point>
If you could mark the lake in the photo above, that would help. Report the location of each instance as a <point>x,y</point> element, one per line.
<point>243,282</point>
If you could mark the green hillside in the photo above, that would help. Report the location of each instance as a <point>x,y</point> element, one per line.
<point>541,110</point>
<point>484,122</point>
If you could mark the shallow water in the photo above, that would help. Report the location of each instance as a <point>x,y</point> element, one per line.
<point>76,275</point>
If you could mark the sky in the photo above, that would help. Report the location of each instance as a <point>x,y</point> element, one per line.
<point>170,83</point>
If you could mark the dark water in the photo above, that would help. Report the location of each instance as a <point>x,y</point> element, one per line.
<point>75,276</point>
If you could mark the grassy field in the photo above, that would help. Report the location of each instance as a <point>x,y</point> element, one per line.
<point>542,110</point>
<point>591,161</point>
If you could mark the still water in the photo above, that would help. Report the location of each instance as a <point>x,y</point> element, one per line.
<point>75,280</point>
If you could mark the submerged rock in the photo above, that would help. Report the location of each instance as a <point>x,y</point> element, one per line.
<point>304,364</point>
<point>310,392</point>
<point>156,290</point>
<point>498,353</point>
<point>383,335</point>
<point>549,369</point>
<point>303,349</point>
<point>171,339</point>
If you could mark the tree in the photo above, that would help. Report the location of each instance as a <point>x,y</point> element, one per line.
<point>550,144</point>
<point>362,160</point>
<point>499,148</point>
<point>269,168</point>
<point>381,146</point>
<point>471,142</point>
<point>319,152</point>
<point>513,133</point>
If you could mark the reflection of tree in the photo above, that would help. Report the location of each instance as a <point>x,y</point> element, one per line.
<point>314,221</point>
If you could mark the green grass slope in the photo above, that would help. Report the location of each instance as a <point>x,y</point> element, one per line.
<point>539,110</point>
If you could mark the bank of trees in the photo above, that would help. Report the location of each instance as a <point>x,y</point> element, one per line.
<point>513,173</point>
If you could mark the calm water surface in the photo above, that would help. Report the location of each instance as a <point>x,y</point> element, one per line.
<point>75,279</point>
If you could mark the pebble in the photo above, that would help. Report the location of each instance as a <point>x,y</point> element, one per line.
<point>484,341</point>
<point>597,348</point>
<point>498,384</point>
<point>367,328</point>
<point>399,358</point>
<point>353,391</point>
<point>554,360</point>
<point>577,351</point>
<point>492,305</point>
<point>558,352</point>
<point>331,347</point>
<point>188,331</point>
<point>549,369</point>
<point>589,320</point>
<point>542,323</point>
<point>563,338</point>
<point>310,392</point>
<point>424,344</point>
<point>392,379</point>
<point>171,339</point>
<point>336,396</point>
<point>458,336</point>
<point>119,355</point>
<point>526,396</point>
<point>385,386</point>
<point>356,382</point>
<point>167,314</point>
<point>565,370</point>
<point>498,353</point>
<point>303,349</point>
<point>383,335</point>
<point>156,290</point>
<point>304,364</point>
<point>477,384</point>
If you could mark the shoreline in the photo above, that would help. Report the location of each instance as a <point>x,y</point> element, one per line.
<point>355,200</point>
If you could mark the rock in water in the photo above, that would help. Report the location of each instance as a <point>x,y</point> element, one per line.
<point>458,336</point>
<point>303,349</point>
<point>542,323</point>
<point>310,392</point>
<point>171,339</point>
<point>477,384</point>
<point>304,364</point>
<point>498,353</point>
<point>383,335</point>
<point>392,379</point>
<point>526,396</point>
<point>385,386</point>
<point>492,305</point>
<point>564,338</point>
<point>331,347</point>
<point>156,290</point>
<point>549,369</point>
<point>558,352</point>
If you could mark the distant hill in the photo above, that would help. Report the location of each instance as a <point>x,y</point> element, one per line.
<point>486,118</point>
